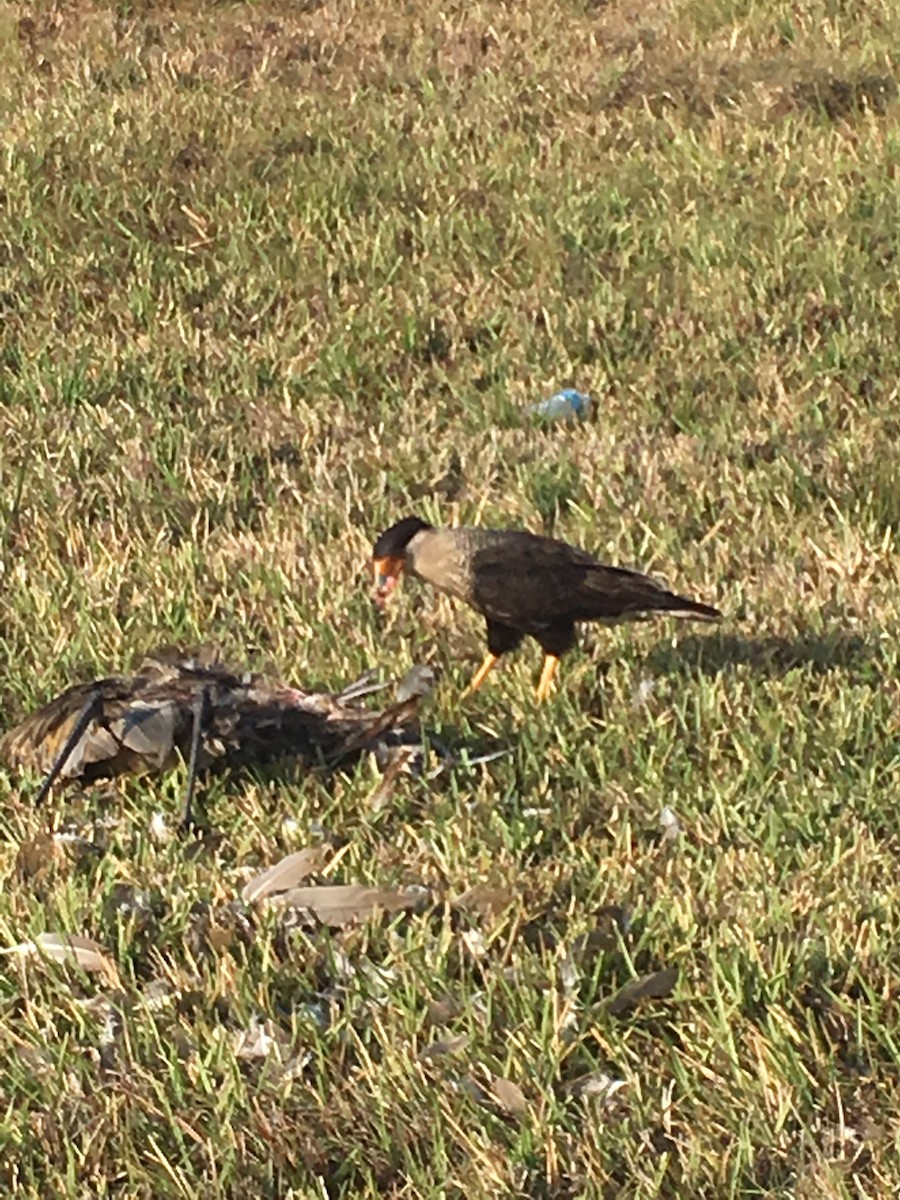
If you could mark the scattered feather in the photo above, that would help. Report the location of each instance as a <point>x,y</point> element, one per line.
<point>415,684</point>
<point>286,873</point>
<point>158,995</point>
<point>263,1040</point>
<point>366,685</point>
<point>259,1039</point>
<point>670,825</point>
<point>462,760</point>
<point>317,1011</point>
<point>443,1010</point>
<point>159,829</point>
<point>445,1046</point>
<point>344,969</point>
<point>480,759</point>
<point>642,693</point>
<point>125,902</point>
<point>419,891</point>
<point>509,1096</point>
<point>485,900</point>
<point>65,948</point>
<point>596,1085</point>
<point>569,976</point>
<point>68,839</point>
<point>655,986</point>
<point>396,761</point>
<point>474,942</point>
<point>568,1026</point>
<point>345,904</point>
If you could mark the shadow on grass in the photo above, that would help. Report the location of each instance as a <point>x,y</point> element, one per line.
<point>768,656</point>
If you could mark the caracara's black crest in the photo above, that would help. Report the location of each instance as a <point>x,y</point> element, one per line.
<point>393,541</point>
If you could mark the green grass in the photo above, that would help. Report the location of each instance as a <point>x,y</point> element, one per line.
<point>272,275</point>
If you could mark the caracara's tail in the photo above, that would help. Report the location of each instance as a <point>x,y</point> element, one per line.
<point>680,606</point>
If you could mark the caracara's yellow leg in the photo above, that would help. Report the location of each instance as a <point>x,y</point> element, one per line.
<point>545,686</point>
<point>490,661</point>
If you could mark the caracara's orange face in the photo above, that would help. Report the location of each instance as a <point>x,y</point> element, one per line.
<point>389,555</point>
<point>387,573</point>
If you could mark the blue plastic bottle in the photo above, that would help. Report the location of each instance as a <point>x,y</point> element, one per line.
<point>562,406</point>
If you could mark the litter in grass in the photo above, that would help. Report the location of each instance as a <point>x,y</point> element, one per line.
<point>474,942</point>
<point>565,405</point>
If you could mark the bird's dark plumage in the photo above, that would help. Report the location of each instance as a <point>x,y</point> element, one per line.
<point>536,583</point>
<point>525,585</point>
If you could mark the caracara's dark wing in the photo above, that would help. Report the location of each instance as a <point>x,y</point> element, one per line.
<point>533,583</point>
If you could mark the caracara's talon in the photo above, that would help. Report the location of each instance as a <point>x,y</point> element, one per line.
<point>548,672</point>
<point>490,661</point>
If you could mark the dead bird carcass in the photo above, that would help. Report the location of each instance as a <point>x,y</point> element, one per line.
<point>198,709</point>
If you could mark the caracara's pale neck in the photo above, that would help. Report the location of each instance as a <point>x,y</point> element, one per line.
<point>441,557</point>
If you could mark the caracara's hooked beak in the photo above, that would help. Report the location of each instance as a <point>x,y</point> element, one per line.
<point>387,573</point>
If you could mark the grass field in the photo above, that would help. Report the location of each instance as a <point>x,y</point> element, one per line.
<point>272,275</point>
